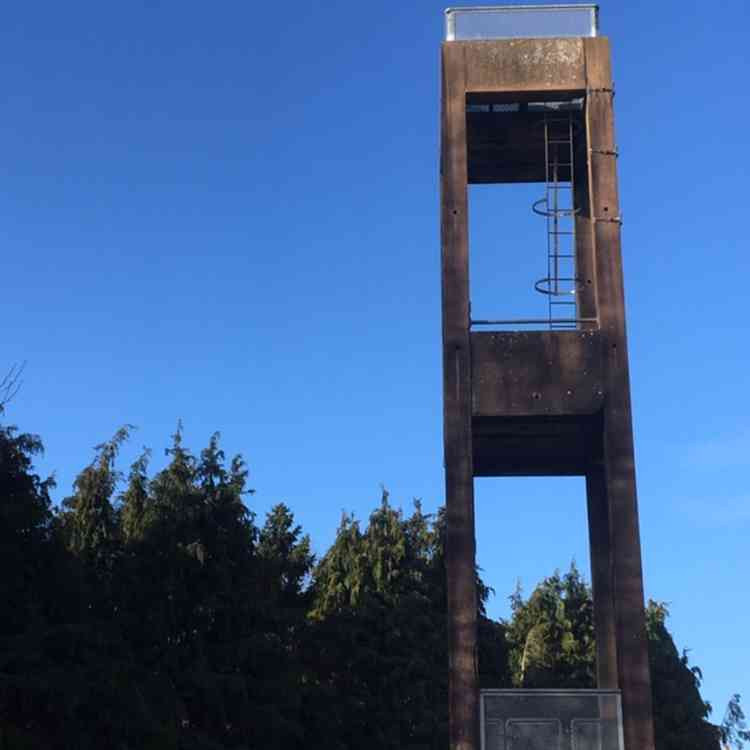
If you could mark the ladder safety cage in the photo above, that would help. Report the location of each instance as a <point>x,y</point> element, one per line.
<point>561,284</point>
<point>560,126</point>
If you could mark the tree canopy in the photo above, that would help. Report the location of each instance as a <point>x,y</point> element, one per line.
<point>152,610</point>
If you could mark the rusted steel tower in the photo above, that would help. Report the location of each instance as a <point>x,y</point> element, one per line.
<point>549,396</point>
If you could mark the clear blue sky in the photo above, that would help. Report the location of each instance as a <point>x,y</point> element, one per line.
<point>228,214</point>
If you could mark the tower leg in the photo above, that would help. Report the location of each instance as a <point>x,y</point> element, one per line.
<point>463,688</point>
<point>601,579</point>
<point>632,642</point>
<point>619,466</point>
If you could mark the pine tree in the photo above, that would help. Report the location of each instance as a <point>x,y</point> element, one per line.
<point>28,544</point>
<point>286,555</point>
<point>734,730</point>
<point>680,714</point>
<point>89,516</point>
<point>380,634</point>
<point>552,635</point>
<point>551,638</point>
<point>134,501</point>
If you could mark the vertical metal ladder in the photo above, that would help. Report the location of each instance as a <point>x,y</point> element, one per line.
<point>557,206</point>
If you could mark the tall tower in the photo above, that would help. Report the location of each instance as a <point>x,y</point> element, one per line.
<point>527,97</point>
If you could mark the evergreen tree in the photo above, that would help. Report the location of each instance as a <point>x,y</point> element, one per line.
<point>551,635</point>
<point>734,730</point>
<point>286,557</point>
<point>28,551</point>
<point>172,621</point>
<point>551,638</point>
<point>197,535</point>
<point>680,714</point>
<point>134,502</point>
<point>89,517</point>
<point>380,635</point>
<point>67,680</point>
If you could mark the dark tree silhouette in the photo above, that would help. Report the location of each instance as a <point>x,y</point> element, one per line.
<point>152,612</point>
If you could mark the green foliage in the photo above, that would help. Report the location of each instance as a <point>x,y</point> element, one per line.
<point>680,714</point>
<point>551,635</point>
<point>134,502</point>
<point>379,635</point>
<point>89,517</point>
<point>286,557</point>
<point>551,639</point>
<point>163,617</point>
<point>734,731</point>
<point>29,550</point>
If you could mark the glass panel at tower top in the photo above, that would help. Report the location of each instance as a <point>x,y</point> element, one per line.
<point>514,21</point>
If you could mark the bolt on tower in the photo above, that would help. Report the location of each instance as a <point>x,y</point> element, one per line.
<point>527,97</point>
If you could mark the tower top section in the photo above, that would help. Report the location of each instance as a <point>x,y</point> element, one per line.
<point>520,21</point>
